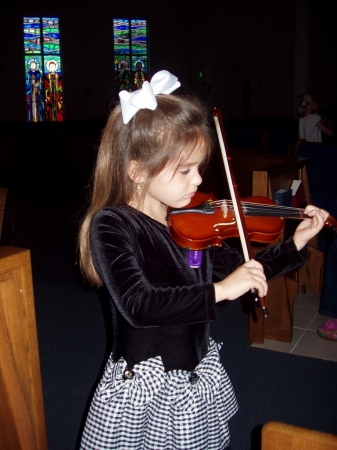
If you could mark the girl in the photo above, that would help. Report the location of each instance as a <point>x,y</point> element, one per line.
<point>311,125</point>
<point>164,387</point>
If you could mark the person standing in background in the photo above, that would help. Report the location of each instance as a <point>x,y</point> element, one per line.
<point>311,124</point>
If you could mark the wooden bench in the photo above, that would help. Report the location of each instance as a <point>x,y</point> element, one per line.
<point>262,174</point>
<point>22,420</point>
<point>281,436</point>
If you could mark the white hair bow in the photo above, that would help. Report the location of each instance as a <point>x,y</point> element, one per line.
<point>162,82</point>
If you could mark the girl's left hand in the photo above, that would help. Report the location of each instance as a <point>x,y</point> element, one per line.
<point>308,228</point>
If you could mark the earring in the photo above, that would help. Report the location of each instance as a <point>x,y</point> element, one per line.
<point>138,187</point>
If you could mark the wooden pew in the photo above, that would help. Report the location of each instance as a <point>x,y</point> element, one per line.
<point>268,173</point>
<point>281,436</point>
<point>22,420</point>
<point>265,182</point>
<point>281,168</point>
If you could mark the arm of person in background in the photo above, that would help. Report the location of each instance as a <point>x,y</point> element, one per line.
<point>326,126</point>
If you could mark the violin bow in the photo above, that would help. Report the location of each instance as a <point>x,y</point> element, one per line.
<point>233,188</point>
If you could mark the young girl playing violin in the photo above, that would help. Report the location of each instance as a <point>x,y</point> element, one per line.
<point>164,387</point>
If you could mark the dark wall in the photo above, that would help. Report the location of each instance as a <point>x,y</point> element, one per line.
<point>228,39</point>
<point>254,41</point>
<point>324,50</point>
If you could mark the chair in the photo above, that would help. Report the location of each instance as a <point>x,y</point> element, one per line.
<point>280,436</point>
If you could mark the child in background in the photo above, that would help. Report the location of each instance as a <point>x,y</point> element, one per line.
<point>311,125</point>
<point>164,387</point>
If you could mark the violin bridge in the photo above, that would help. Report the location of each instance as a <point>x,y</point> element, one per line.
<point>224,208</point>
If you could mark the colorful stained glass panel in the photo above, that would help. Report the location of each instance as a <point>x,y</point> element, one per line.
<point>43,69</point>
<point>122,60</point>
<point>121,37</point>
<point>142,59</point>
<point>32,35</point>
<point>53,89</point>
<point>51,35</point>
<point>130,48</point>
<point>34,88</point>
<point>138,37</point>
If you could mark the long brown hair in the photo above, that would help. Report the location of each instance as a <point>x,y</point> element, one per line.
<point>152,138</point>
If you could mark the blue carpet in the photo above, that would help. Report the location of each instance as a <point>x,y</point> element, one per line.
<point>74,337</point>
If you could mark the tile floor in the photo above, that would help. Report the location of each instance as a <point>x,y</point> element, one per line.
<point>306,341</point>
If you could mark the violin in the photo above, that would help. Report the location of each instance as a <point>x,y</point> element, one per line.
<point>206,221</point>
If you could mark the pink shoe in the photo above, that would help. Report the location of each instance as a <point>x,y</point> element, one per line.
<point>328,330</point>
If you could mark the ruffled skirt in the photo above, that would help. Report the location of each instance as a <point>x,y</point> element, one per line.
<point>148,409</point>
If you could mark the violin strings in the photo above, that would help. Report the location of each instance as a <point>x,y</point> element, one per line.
<point>258,208</point>
<point>229,202</point>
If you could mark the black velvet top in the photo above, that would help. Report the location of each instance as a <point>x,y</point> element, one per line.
<point>160,305</point>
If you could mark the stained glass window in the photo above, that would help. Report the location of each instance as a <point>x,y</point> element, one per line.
<point>130,53</point>
<point>43,69</point>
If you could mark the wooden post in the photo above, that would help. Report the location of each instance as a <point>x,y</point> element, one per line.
<point>22,420</point>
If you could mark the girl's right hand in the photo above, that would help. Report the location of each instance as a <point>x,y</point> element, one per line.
<point>248,276</point>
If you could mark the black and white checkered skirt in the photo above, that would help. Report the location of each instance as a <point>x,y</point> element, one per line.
<point>148,409</point>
